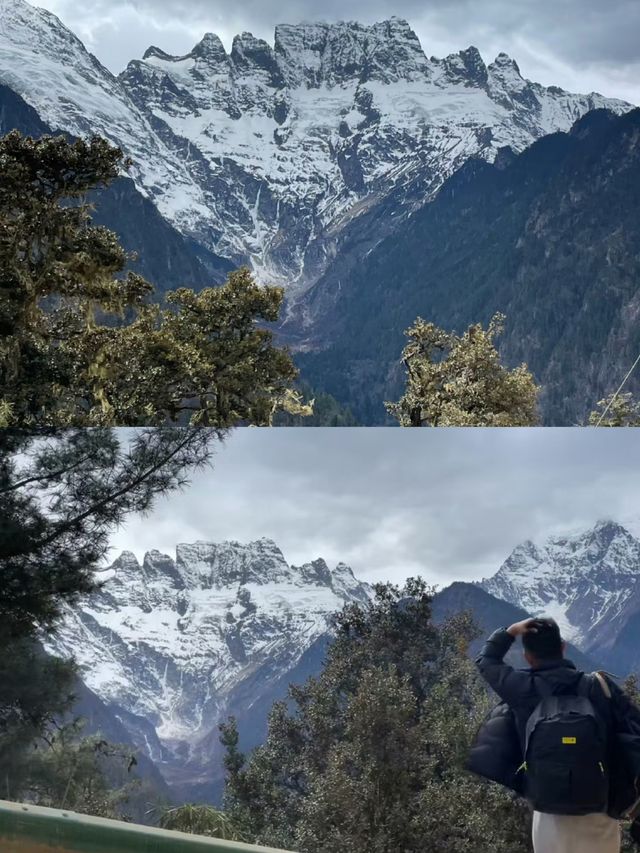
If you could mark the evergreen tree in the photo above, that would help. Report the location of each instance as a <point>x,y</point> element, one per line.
<point>620,411</point>
<point>35,690</point>
<point>369,757</point>
<point>458,380</point>
<point>79,346</point>
<point>65,770</point>
<point>51,762</point>
<point>61,495</point>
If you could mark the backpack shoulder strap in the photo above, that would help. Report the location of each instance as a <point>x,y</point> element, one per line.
<point>588,680</point>
<point>599,676</point>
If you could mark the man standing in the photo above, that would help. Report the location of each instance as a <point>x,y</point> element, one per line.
<point>565,722</point>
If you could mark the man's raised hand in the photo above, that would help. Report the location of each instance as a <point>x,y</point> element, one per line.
<point>525,627</point>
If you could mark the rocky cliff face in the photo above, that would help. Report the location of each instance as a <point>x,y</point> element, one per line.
<point>548,237</point>
<point>268,154</point>
<point>589,582</point>
<point>173,646</point>
<point>157,250</point>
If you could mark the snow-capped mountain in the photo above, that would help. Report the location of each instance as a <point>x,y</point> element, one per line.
<point>176,645</point>
<point>49,67</point>
<point>268,153</point>
<point>588,581</point>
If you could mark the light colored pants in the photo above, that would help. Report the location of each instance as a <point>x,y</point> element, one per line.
<point>590,833</point>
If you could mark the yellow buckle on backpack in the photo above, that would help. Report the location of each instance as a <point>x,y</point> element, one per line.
<point>569,740</point>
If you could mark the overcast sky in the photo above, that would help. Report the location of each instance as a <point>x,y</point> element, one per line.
<point>583,45</point>
<point>445,504</point>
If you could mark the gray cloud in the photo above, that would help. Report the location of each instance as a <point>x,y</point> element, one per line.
<point>580,44</point>
<point>446,504</point>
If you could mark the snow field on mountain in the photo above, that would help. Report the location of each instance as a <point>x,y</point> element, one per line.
<point>588,582</point>
<point>170,640</point>
<point>266,153</point>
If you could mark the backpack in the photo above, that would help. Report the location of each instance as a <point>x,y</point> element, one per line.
<point>566,752</point>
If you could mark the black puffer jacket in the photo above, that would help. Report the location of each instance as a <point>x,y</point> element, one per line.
<point>497,753</point>
<point>498,750</point>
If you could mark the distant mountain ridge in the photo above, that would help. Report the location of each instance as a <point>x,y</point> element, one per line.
<point>165,257</point>
<point>588,581</point>
<point>269,154</point>
<point>375,184</point>
<point>173,646</point>
<point>489,614</point>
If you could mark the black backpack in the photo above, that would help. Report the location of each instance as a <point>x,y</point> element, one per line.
<point>566,753</point>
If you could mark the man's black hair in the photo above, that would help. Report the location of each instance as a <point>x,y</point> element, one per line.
<point>545,643</point>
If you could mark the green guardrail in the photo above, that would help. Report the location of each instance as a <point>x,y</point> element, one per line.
<point>32,829</point>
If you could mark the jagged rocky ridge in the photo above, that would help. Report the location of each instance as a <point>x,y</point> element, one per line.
<point>270,153</point>
<point>173,646</point>
<point>588,581</point>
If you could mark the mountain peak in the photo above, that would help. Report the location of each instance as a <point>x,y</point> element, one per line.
<point>246,41</point>
<point>210,47</point>
<point>503,60</point>
<point>126,560</point>
<point>466,67</point>
<point>606,531</point>
<point>24,9</point>
<point>175,641</point>
<point>579,578</point>
<point>37,29</point>
<point>608,525</point>
<point>601,535</point>
<point>229,566</point>
<point>208,564</point>
<point>316,572</point>
<point>343,568</point>
<point>253,55</point>
<point>318,54</point>
<point>296,172</point>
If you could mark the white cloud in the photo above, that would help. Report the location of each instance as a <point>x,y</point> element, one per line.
<point>446,504</point>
